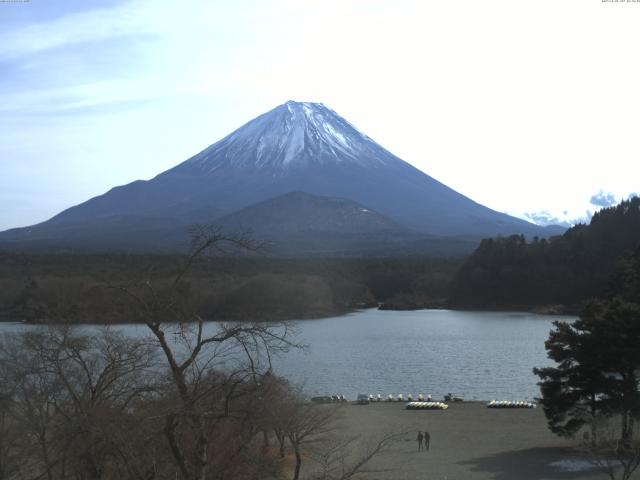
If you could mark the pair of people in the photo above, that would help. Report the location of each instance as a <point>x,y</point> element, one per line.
<point>426,438</point>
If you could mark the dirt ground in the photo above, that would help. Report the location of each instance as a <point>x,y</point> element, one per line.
<point>468,442</point>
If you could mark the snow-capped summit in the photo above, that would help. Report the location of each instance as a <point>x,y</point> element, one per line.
<point>292,135</point>
<point>296,147</point>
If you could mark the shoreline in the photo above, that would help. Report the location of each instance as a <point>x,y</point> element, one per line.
<point>535,309</point>
<point>314,316</point>
<point>468,441</point>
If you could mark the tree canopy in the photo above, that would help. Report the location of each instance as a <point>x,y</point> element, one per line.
<point>598,359</point>
<point>507,272</point>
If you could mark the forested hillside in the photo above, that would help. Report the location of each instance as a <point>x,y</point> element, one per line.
<point>80,289</point>
<point>559,273</point>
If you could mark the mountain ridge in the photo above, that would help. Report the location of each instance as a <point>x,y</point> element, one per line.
<point>297,146</point>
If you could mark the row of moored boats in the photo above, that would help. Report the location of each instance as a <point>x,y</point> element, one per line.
<point>427,406</point>
<point>400,398</point>
<point>425,402</point>
<point>510,404</point>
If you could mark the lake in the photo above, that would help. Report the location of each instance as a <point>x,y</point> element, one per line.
<point>480,355</point>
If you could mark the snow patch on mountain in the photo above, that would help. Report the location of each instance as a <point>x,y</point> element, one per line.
<point>294,142</point>
<point>296,134</point>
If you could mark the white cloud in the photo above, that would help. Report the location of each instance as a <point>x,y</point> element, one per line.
<point>75,28</point>
<point>545,218</point>
<point>603,199</point>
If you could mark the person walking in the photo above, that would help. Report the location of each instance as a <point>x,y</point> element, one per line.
<point>420,437</point>
<point>427,440</point>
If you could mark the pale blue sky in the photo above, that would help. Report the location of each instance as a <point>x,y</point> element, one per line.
<point>522,106</point>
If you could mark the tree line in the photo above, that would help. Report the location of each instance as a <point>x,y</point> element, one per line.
<point>75,288</point>
<point>512,272</point>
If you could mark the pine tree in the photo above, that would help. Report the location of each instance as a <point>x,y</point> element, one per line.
<point>598,359</point>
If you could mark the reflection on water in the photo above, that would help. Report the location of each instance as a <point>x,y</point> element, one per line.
<point>480,355</point>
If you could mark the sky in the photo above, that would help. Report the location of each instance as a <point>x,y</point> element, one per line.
<point>527,107</point>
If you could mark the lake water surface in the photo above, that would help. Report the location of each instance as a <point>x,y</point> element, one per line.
<point>480,355</point>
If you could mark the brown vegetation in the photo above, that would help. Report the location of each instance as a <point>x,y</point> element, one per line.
<point>190,401</point>
<point>75,288</point>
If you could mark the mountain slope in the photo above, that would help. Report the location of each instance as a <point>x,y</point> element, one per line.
<point>295,147</point>
<point>296,212</point>
<point>304,225</point>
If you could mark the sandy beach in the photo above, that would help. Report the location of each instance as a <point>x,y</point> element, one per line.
<point>468,441</point>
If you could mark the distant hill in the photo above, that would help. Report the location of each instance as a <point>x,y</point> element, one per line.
<point>297,212</point>
<point>507,272</point>
<point>301,224</point>
<point>296,147</point>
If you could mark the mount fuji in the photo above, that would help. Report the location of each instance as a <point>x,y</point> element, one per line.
<point>296,147</point>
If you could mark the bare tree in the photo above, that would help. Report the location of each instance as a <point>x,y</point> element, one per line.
<point>196,354</point>
<point>615,457</point>
<point>74,395</point>
<point>313,432</point>
<point>34,393</point>
<point>345,458</point>
<point>276,408</point>
<point>308,423</point>
<point>9,433</point>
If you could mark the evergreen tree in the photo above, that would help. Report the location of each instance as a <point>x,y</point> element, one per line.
<point>598,359</point>
<point>572,392</point>
<point>509,272</point>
